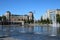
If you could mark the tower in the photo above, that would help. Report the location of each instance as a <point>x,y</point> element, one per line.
<point>31,17</point>
<point>8,14</point>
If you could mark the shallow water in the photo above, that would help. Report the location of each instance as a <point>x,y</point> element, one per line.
<point>30,32</point>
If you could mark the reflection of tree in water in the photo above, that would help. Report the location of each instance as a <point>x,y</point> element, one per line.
<point>58,30</point>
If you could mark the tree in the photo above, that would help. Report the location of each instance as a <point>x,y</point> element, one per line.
<point>58,18</point>
<point>0,18</point>
<point>45,21</point>
<point>41,19</point>
<point>4,18</point>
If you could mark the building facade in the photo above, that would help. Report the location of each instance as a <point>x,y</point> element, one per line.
<point>51,13</point>
<point>13,17</point>
<point>44,16</point>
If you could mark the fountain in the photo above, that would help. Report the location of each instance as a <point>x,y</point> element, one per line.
<point>23,29</point>
<point>54,29</point>
<point>54,26</point>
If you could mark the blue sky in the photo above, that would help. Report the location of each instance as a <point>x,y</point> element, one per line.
<point>21,7</point>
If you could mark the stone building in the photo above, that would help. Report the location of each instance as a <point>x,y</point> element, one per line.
<point>13,17</point>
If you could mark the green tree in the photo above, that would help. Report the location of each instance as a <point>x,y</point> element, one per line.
<point>0,18</point>
<point>58,18</point>
<point>48,21</point>
<point>45,21</point>
<point>4,18</point>
<point>41,19</point>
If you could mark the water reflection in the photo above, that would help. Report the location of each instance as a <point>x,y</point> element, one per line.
<point>16,30</point>
<point>53,31</point>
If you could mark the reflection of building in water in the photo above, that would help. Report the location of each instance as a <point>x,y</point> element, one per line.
<point>13,17</point>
